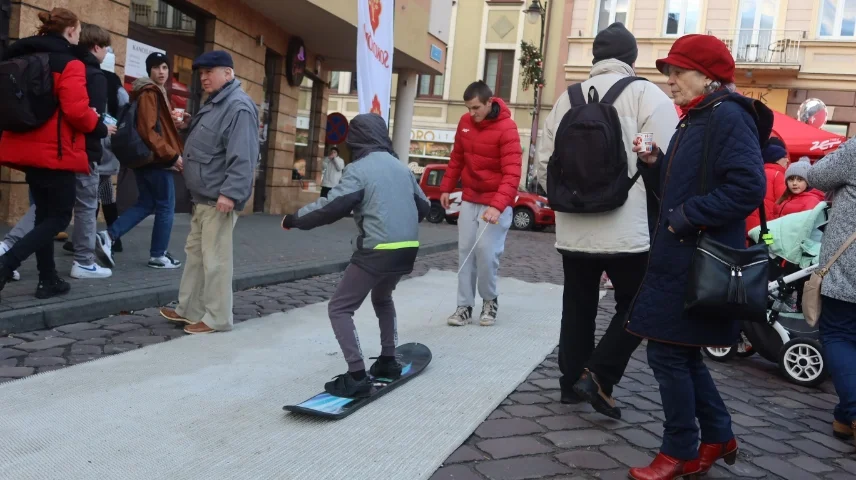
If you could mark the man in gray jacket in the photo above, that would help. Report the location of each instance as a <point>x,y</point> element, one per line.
<point>220,155</point>
<point>388,205</point>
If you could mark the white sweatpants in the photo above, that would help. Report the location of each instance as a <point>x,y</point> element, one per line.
<point>482,266</point>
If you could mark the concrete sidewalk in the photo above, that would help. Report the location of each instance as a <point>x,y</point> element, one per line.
<point>264,255</point>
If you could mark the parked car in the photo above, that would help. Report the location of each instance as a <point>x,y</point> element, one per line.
<point>531,211</point>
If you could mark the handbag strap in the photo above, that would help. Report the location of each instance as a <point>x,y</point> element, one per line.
<point>837,254</point>
<point>765,232</point>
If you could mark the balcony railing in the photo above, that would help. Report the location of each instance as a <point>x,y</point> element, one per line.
<point>166,17</point>
<point>775,47</point>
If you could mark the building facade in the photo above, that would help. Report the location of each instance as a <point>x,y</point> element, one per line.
<point>484,43</point>
<point>284,53</point>
<point>786,50</point>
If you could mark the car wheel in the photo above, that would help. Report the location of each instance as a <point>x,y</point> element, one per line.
<point>523,219</point>
<point>801,362</point>
<point>452,220</point>
<point>437,213</point>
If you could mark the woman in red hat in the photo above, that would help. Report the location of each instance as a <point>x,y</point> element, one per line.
<point>728,130</point>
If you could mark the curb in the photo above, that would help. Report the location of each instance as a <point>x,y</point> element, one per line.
<point>88,309</point>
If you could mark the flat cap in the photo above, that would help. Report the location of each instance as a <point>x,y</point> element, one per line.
<point>215,58</point>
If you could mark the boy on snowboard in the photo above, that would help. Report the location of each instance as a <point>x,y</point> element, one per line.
<point>388,206</point>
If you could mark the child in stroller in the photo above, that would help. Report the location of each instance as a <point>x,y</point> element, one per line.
<point>786,338</point>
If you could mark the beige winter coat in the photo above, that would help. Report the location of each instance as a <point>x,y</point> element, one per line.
<point>642,107</point>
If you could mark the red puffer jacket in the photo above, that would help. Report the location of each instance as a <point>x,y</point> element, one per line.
<point>486,157</point>
<point>59,144</point>
<point>776,187</point>
<point>807,200</point>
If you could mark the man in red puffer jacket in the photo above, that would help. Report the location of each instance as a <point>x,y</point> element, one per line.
<point>486,158</point>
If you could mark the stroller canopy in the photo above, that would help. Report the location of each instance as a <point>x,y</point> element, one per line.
<point>796,237</point>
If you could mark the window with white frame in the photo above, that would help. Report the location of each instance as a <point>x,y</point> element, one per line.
<point>838,18</point>
<point>611,11</point>
<point>682,17</point>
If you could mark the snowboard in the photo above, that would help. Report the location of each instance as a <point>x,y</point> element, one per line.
<point>414,357</point>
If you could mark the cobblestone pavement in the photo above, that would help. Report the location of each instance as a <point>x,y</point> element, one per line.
<point>783,429</point>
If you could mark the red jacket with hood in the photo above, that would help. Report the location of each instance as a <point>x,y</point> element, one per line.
<point>776,187</point>
<point>59,144</point>
<point>486,157</point>
<point>806,200</point>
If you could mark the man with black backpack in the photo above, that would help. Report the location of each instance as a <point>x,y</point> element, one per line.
<point>588,169</point>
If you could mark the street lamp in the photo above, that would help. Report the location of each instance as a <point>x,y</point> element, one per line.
<point>535,12</point>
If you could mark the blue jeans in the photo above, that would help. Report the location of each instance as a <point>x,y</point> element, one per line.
<point>838,336</point>
<point>688,393</point>
<point>156,196</point>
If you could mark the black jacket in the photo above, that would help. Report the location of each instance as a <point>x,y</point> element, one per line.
<point>96,88</point>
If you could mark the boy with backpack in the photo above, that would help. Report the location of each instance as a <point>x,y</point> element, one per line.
<point>156,135</point>
<point>602,214</point>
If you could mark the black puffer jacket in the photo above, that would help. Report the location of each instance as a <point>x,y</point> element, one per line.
<point>96,88</point>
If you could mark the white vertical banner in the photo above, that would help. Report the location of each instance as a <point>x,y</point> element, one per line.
<point>374,55</point>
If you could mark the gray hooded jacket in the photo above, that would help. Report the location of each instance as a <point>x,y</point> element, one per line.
<point>382,192</point>
<point>222,150</point>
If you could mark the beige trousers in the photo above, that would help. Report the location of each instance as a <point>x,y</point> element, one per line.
<point>205,294</point>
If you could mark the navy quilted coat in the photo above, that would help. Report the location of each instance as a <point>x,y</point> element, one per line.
<point>736,184</point>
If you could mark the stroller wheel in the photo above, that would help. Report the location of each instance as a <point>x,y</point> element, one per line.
<point>720,354</point>
<point>801,362</point>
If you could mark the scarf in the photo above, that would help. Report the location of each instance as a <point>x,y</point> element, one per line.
<point>685,109</point>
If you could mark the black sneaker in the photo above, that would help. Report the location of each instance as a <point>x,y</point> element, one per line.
<point>117,245</point>
<point>52,287</point>
<point>345,385</point>
<point>386,368</point>
<point>68,247</point>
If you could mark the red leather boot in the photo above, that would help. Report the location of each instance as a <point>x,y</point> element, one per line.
<point>709,453</point>
<point>665,467</point>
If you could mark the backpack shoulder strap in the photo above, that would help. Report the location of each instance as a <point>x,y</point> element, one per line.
<point>575,93</point>
<point>613,93</point>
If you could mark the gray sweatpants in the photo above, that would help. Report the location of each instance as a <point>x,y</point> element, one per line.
<point>23,227</point>
<point>482,267</point>
<point>85,217</point>
<point>349,296</point>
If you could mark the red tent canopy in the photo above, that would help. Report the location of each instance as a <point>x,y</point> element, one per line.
<point>802,140</point>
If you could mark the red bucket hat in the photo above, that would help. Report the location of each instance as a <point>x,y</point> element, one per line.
<point>703,53</point>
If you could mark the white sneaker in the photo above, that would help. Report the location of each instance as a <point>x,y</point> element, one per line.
<point>488,315</point>
<point>3,249</point>
<point>461,317</point>
<point>164,262</point>
<point>89,271</point>
<point>104,247</point>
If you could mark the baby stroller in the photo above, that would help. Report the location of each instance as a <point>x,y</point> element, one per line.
<point>786,338</point>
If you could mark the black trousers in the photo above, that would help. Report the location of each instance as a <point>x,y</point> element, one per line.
<point>579,310</point>
<point>54,193</point>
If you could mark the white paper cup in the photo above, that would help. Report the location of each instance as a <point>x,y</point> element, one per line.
<point>647,141</point>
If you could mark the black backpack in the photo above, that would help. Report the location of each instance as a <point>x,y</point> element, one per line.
<point>127,144</point>
<point>587,172</point>
<point>27,99</point>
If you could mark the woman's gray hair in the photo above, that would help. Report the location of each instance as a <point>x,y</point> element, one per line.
<point>716,85</point>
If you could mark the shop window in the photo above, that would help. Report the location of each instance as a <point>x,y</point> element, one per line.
<point>682,17</point>
<point>611,11</point>
<point>837,128</point>
<point>499,72</point>
<point>838,18</point>
<point>430,86</point>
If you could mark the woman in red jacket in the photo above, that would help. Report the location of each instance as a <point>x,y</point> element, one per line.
<point>52,153</point>
<point>799,196</point>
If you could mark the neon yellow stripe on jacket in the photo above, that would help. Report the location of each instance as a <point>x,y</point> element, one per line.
<point>397,245</point>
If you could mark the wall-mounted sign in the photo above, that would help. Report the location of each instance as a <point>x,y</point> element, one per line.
<point>436,53</point>
<point>775,98</point>
<point>337,128</point>
<point>135,58</point>
<point>295,61</point>
<point>428,135</point>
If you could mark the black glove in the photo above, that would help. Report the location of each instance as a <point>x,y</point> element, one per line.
<point>288,222</point>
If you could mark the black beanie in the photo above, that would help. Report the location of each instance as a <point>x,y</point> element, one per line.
<point>155,59</point>
<point>615,42</point>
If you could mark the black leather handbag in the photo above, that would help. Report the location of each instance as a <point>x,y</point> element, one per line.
<point>726,282</point>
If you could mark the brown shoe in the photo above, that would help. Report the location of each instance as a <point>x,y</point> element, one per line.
<point>589,388</point>
<point>172,316</point>
<point>198,328</point>
<point>61,237</point>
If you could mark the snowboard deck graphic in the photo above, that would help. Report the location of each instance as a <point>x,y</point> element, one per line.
<point>414,357</point>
